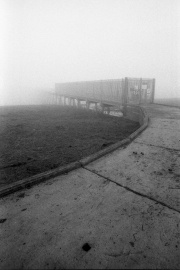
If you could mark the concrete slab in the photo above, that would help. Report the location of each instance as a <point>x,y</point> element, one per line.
<point>150,164</point>
<point>164,127</point>
<point>162,112</point>
<point>165,124</point>
<point>167,138</point>
<point>48,226</point>
<point>152,171</point>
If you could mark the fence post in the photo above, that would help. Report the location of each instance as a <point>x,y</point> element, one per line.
<point>96,106</point>
<point>140,91</point>
<point>78,103</point>
<point>87,104</point>
<point>153,90</point>
<point>125,96</point>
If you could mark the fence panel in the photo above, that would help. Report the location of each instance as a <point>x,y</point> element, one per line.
<point>134,91</point>
<point>104,90</point>
<point>140,90</point>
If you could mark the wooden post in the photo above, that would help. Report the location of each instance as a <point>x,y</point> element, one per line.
<point>146,96</point>
<point>78,103</point>
<point>101,91</point>
<point>140,91</point>
<point>59,100</point>
<point>96,106</point>
<point>153,90</point>
<point>125,96</point>
<point>66,100</point>
<point>52,99</point>
<point>103,107</point>
<point>87,104</point>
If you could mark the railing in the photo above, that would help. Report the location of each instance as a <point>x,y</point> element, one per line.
<point>100,91</point>
<point>112,92</point>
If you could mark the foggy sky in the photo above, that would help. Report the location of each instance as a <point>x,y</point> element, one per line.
<point>44,42</point>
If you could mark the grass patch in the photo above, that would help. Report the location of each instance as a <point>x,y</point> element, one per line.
<point>35,139</point>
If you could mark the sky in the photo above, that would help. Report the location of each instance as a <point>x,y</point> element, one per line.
<point>44,42</point>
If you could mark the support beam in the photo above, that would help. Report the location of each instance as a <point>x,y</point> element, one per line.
<point>87,104</point>
<point>78,103</point>
<point>103,107</point>
<point>53,99</point>
<point>59,99</point>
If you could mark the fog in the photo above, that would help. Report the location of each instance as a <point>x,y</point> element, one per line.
<point>44,42</point>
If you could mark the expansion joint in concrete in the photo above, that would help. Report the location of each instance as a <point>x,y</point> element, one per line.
<point>134,191</point>
<point>163,128</point>
<point>158,146</point>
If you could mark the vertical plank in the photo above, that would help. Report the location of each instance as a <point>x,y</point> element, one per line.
<point>140,91</point>
<point>153,90</point>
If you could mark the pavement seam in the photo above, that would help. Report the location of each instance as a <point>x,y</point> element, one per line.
<point>134,191</point>
<point>164,128</point>
<point>148,144</point>
<point>167,105</point>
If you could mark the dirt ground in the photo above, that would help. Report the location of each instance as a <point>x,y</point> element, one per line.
<point>34,139</point>
<point>168,101</point>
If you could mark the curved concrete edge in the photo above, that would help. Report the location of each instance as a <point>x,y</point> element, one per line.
<point>117,145</point>
<point>137,132</point>
<point>38,178</point>
<point>103,152</point>
<point>143,126</point>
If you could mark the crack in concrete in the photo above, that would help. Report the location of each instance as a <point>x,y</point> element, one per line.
<point>134,191</point>
<point>123,253</point>
<point>114,254</point>
<point>167,148</point>
<point>134,236</point>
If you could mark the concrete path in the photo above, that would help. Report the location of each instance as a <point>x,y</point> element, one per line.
<point>121,211</point>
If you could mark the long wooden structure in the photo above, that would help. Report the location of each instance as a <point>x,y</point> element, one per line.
<point>108,93</point>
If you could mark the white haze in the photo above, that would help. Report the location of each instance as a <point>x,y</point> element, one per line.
<point>47,41</point>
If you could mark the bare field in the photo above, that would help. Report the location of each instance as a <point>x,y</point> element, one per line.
<point>34,139</point>
<point>168,101</point>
